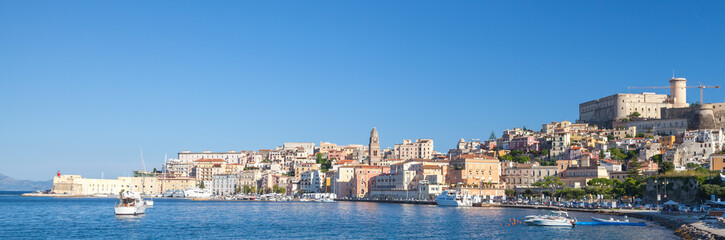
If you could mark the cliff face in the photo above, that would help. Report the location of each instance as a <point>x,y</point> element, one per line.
<point>681,190</point>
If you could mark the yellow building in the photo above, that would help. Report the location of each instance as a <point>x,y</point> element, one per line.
<point>666,143</point>
<point>177,184</point>
<point>304,167</point>
<point>474,169</point>
<point>204,169</point>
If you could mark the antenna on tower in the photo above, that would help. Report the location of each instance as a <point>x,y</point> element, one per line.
<point>673,73</point>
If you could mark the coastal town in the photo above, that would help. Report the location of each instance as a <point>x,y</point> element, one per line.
<point>627,148</point>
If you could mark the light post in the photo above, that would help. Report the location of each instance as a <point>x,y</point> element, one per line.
<point>657,195</point>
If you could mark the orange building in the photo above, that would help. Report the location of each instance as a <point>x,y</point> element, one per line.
<point>717,162</point>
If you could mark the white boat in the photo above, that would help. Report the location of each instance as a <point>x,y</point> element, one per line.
<point>531,218</point>
<point>610,220</point>
<point>130,203</point>
<point>148,203</point>
<point>453,198</point>
<point>178,194</point>
<point>197,193</point>
<point>557,218</point>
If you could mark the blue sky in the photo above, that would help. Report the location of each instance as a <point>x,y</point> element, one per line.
<point>85,85</point>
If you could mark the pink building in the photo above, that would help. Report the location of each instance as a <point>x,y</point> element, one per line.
<point>526,144</point>
<point>336,154</point>
<point>355,181</point>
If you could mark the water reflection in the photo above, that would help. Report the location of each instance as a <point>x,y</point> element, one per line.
<point>130,218</point>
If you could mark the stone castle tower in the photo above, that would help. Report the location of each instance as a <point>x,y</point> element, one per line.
<point>374,148</point>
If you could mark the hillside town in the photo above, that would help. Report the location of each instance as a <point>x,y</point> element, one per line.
<point>618,147</point>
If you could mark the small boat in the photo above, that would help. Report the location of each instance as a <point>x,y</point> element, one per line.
<point>148,203</point>
<point>556,219</point>
<point>168,193</point>
<point>610,220</point>
<point>130,203</point>
<point>453,198</point>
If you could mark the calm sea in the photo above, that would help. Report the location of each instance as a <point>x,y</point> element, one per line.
<point>75,218</point>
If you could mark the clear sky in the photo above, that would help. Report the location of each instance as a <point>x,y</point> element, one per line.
<point>85,85</point>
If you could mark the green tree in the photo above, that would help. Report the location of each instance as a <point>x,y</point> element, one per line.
<point>278,189</point>
<point>707,190</point>
<point>505,158</point>
<point>600,182</point>
<point>616,154</point>
<point>666,166</point>
<point>493,136</point>
<point>155,171</point>
<point>510,192</point>
<point>635,115</point>
<point>633,169</point>
<point>552,182</point>
<point>201,184</point>
<point>521,159</point>
<point>528,192</point>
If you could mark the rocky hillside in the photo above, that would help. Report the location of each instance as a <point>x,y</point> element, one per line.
<point>11,184</point>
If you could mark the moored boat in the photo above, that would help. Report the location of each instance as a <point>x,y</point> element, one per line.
<point>148,203</point>
<point>610,220</point>
<point>556,219</point>
<point>454,198</point>
<point>197,193</point>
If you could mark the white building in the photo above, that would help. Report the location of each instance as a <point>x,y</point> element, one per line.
<point>697,146</point>
<point>307,146</point>
<point>311,181</point>
<point>421,148</point>
<point>224,184</point>
<point>559,144</point>
<point>229,157</point>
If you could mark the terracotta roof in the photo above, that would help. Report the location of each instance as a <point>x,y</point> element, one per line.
<point>612,161</point>
<point>471,155</point>
<point>343,162</point>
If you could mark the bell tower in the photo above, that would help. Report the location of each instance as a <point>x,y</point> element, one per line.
<point>374,148</point>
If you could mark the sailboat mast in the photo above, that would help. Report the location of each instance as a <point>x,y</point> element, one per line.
<point>143,174</point>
